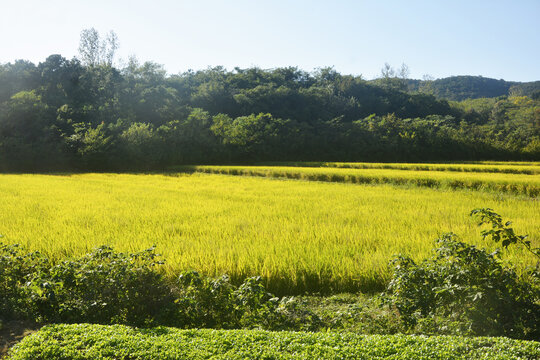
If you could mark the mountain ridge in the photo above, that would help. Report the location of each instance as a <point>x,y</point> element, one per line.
<point>462,87</point>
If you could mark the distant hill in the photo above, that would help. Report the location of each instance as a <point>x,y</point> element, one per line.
<point>471,87</point>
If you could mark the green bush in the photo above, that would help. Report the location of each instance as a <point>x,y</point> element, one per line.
<point>358,313</point>
<point>109,287</point>
<point>216,303</point>
<point>466,290</point>
<point>16,269</point>
<point>78,342</point>
<point>105,287</point>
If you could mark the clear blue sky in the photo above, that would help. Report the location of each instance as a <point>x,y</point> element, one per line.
<point>499,39</point>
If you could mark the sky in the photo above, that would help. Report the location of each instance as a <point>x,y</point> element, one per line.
<point>496,38</point>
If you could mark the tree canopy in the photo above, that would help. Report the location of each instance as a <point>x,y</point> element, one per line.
<point>88,114</point>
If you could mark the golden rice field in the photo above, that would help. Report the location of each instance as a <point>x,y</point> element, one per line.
<point>299,235</point>
<point>519,184</point>
<point>531,168</point>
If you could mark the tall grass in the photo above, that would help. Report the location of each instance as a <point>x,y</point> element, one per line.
<point>529,168</point>
<point>301,236</point>
<point>519,184</point>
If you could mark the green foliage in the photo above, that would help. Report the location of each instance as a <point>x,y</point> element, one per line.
<point>78,342</point>
<point>358,313</point>
<point>140,146</point>
<point>466,290</point>
<point>16,269</point>
<point>216,303</point>
<point>501,231</point>
<point>103,286</point>
<point>64,114</point>
<point>473,87</point>
<point>109,287</point>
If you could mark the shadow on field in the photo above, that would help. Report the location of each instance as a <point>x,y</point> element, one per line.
<point>12,332</point>
<point>188,169</point>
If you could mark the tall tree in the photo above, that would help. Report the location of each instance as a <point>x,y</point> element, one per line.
<point>93,50</point>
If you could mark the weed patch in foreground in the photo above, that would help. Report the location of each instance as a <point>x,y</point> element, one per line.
<point>85,341</point>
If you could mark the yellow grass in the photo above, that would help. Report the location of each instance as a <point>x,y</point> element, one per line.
<point>531,168</point>
<point>299,235</point>
<point>521,184</point>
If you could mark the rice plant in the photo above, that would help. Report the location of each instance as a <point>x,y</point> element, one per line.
<point>299,235</point>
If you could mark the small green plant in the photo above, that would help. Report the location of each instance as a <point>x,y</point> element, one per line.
<point>86,341</point>
<point>216,303</point>
<point>358,313</point>
<point>501,232</point>
<point>463,289</point>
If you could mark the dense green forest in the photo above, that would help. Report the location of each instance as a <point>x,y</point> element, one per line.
<point>473,87</point>
<point>87,114</point>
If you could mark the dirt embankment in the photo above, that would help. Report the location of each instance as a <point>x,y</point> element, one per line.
<point>12,332</point>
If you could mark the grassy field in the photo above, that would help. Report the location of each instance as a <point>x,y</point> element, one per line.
<point>85,341</point>
<point>299,235</point>
<point>518,184</point>
<point>531,168</point>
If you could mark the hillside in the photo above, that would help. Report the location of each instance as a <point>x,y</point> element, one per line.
<point>67,114</point>
<point>459,88</point>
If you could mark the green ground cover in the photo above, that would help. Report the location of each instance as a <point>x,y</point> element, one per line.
<point>77,342</point>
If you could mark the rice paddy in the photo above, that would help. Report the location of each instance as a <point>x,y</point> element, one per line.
<point>531,168</point>
<point>519,184</point>
<point>299,235</point>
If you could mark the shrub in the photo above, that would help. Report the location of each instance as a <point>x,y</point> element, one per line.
<point>205,302</point>
<point>16,268</point>
<point>216,303</point>
<point>103,286</point>
<point>358,313</point>
<point>464,289</point>
<point>109,287</point>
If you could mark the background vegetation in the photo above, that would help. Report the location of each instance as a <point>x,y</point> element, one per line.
<point>459,88</point>
<point>87,114</point>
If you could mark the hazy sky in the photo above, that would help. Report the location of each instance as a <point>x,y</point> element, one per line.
<point>499,39</point>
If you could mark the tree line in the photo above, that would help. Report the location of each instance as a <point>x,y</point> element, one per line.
<point>87,114</point>
<point>472,87</point>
